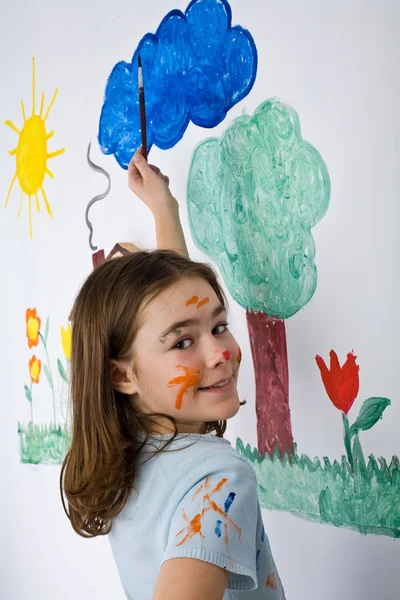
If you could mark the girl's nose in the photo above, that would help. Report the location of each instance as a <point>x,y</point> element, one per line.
<point>217,354</point>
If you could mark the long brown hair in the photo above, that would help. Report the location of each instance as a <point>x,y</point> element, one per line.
<point>98,471</point>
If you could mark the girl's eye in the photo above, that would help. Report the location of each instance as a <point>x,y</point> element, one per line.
<point>187,342</point>
<point>181,344</point>
<point>224,325</point>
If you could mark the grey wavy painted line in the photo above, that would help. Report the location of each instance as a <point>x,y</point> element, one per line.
<point>96,198</point>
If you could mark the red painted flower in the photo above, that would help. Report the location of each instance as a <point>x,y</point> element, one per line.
<point>341,383</point>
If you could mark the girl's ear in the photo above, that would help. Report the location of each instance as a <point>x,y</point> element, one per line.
<point>122,378</point>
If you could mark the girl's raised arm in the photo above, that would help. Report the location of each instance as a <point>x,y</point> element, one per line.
<point>152,187</point>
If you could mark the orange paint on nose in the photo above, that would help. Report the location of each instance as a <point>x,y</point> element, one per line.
<point>239,356</point>
<point>186,381</point>
<point>203,302</point>
<point>226,355</point>
<point>192,300</point>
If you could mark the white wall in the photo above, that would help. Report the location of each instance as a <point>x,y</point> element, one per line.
<point>337,65</point>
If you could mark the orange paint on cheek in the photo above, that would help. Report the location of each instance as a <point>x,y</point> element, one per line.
<point>192,300</point>
<point>186,381</point>
<point>239,356</point>
<point>203,302</point>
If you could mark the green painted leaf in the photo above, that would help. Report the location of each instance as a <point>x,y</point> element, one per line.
<point>46,331</point>
<point>28,393</point>
<point>61,370</point>
<point>48,375</point>
<point>370,413</point>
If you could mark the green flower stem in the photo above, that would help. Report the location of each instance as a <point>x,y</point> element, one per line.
<point>347,439</point>
<point>51,376</point>
<point>31,402</point>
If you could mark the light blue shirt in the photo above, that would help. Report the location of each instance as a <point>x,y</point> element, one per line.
<point>200,502</point>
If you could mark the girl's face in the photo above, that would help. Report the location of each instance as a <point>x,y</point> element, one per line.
<point>182,351</point>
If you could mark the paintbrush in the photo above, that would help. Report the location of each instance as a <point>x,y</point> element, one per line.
<point>142,107</point>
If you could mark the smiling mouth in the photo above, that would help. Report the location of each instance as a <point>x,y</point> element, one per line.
<point>223,385</point>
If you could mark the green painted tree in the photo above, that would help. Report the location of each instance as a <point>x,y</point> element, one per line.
<point>253,196</point>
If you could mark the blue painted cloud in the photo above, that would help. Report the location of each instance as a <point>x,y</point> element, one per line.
<point>195,68</point>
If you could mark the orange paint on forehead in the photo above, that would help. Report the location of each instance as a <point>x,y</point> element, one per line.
<point>203,302</point>
<point>195,300</point>
<point>192,300</point>
<point>186,381</point>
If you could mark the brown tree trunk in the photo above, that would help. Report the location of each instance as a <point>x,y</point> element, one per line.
<point>268,348</point>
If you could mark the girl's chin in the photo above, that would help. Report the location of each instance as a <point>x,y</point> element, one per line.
<point>226,410</point>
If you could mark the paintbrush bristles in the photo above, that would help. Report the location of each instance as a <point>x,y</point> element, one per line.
<point>140,73</point>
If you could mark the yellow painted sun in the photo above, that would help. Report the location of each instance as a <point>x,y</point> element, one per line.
<point>31,154</point>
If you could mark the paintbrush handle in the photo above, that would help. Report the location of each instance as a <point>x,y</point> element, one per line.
<point>143,121</point>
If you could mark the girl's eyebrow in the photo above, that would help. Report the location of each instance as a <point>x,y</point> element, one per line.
<point>188,322</point>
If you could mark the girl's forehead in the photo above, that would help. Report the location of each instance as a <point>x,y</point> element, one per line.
<point>179,299</point>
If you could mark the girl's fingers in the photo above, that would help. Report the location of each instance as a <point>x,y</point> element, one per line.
<point>136,175</point>
<point>160,174</point>
<point>133,172</point>
<point>155,169</point>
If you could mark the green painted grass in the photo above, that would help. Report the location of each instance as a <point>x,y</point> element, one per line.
<point>43,443</point>
<point>366,499</point>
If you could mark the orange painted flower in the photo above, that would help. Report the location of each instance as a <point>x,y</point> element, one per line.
<point>66,337</point>
<point>32,327</point>
<point>341,383</point>
<point>35,366</point>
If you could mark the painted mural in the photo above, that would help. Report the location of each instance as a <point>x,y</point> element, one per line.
<point>254,196</point>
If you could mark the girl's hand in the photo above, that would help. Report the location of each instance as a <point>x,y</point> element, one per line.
<point>150,185</point>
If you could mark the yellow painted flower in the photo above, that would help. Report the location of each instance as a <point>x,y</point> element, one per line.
<point>66,335</point>
<point>32,327</point>
<point>35,366</point>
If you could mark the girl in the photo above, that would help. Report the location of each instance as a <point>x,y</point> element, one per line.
<point>154,374</point>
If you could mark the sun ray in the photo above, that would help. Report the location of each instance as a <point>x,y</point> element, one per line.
<point>23,110</point>
<point>33,85</point>
<point>49,173</point>
<point>30,216</point>
<point>12,152</point>
<point>56,153</point>
<point>10,188</point>
<point>51,104</point>
<point>41,105</point>
<point>46,202</point>
<point>13,127</point>
<point>37,202</point>
<point>20,204</point>
<point>50,134</point>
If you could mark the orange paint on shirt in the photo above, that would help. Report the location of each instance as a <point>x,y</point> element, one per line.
<point>192,300</point>
<point>194,525</point>
<point>203,302</point>
<point>271,583</point>
<point>186,381</point>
